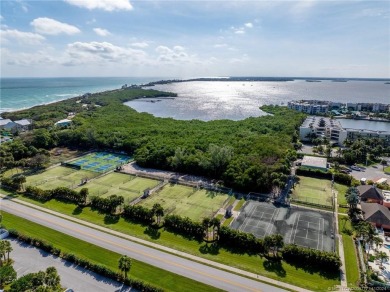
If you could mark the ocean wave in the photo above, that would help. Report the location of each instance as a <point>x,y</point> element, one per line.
<point>68,94</point>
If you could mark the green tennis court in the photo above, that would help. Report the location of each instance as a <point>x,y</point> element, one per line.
<point>128,186</point>
<point>313,190</point>
<point>187,201</point>
<point>58,177</point>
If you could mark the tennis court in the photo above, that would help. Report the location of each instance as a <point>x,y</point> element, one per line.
<point>99,161</point>
<point>187,201</point>
<point>301,226</point>
<point>313,191</point>
<point>58,177</point>
<point>128,186</point>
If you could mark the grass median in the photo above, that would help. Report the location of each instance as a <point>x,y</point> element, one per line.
<point>350,256</point>
<point>252,263</point>
<point>141,271</point>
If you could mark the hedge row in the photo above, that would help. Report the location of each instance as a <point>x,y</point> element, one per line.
<point>311,257</point>
<point>60,193</point>
<point>341,178</point>
<point>100,269</point>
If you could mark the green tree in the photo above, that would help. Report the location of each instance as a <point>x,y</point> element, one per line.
<point>382,256</point>
<point>158,210</point>
<point>7,248</point>
<point>124,264</point>
<point>7,275</point>
<point>206,224</point>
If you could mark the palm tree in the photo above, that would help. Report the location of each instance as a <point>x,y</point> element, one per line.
<point>215,223</point>
<point>377,241</point>
<point>7,248</point>
<point>206,224</point>
<point>2,252</point>
<point>124,264</point>
<point>158,210</point>
<point>382,256</point>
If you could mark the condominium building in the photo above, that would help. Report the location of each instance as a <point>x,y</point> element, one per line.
<point>332,129</point>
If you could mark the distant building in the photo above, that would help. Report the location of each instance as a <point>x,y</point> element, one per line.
<point>63,123</point>
<point>331,128</point>
<point>313,162</point>
<point>376,214</point>
<point>314,107</point>
<point>6,124</point>
<point>386,198</point>
<point>23,125</point>
<point>370,194</point>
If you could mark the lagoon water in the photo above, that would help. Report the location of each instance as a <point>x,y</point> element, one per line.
<point>236,100</point>
<point>201,100</point>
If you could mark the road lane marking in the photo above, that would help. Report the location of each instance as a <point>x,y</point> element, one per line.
<point>136,250</point>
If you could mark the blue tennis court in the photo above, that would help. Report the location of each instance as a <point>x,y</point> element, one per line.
<point>100,161</point>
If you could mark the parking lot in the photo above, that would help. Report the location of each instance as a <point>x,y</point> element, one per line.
<point>304,227</point>
<point>28,259</point>
<point>373,173</point>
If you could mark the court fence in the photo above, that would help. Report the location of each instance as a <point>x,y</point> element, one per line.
<point>312,204</point>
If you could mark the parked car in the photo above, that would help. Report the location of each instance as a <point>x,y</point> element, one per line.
<point>356,168</point>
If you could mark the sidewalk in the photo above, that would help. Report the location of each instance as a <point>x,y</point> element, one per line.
<point>166,249</point>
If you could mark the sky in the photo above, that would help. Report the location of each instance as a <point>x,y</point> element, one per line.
<point>184,39</point>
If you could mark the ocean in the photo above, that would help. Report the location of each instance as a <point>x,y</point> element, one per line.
<point>201,100</point>
<point>20,93</point>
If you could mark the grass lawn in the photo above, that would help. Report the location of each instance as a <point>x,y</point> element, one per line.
<point>313,190</point>
<point>341,200</point>
<point>387,169</point>
<point>285,272</point>
<point>187,201</point>
<point>219,216</point>
<point>128,186</point>
<point>58,177</point>
<point>139,270</point>
<point>227,221</point>
<point>351,261</point>
<point>239,205</point>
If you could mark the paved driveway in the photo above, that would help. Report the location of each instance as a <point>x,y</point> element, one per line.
<point>374,173</point>
<point>28,259</point>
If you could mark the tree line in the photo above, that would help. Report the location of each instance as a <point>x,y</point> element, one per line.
<point>249,155</point>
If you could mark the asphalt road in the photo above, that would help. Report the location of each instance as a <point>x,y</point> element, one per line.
<point>28,259</point>
<point>187,268</point>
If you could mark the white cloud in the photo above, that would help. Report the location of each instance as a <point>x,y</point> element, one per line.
<point>50,26</point>
<point>8,35</point>
<point>1,17</point>
<point>175,55</point>
<point>22,5</point>
<point>101,31</point>
<point>140,45</point>
<point>107,5</point>
<point>101,52</point>
<point>220,45</point>
<point>248,25</point>
<point>27,59</point>
<point>239,31</point>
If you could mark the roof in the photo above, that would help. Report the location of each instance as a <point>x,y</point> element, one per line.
<point>312,161</point>
<point>369,192</point>
<point>375,213</point>
<point>5,121</point>
<point>23,122</point>
<point>64,121</point>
